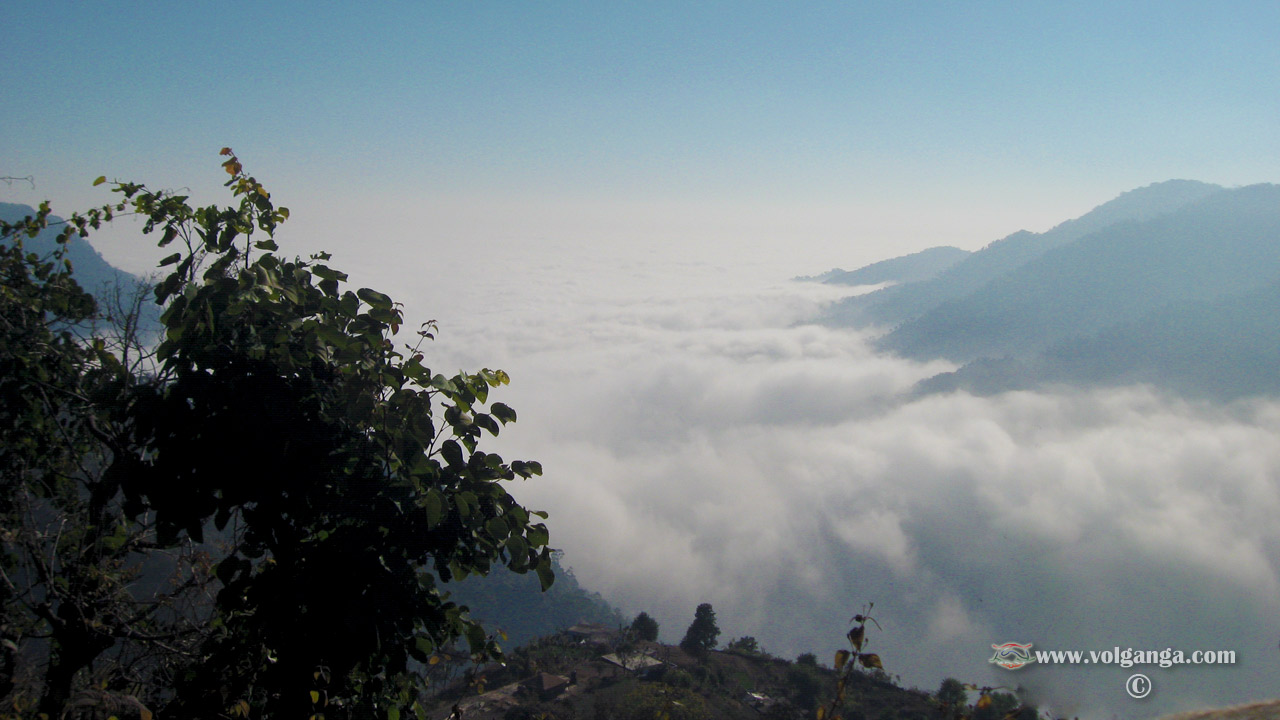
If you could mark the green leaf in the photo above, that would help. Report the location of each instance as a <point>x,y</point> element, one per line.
<point>546,576</point>
<point>433,504</point>
<point>452,454</point>
<point>504,413</point>
<point>374,298</point>
<point>171,259</point>
<point>101,179</point>
<point>497,527</point>
<point>538,535</point>
<point>519,550</point>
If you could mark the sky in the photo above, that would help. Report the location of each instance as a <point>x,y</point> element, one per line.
<point>865,128</point>
<point>609,201</point>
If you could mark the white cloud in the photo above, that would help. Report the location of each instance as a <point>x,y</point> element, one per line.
<point>703,445</point>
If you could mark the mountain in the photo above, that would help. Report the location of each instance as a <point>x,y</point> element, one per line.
<point>1223,245</point>
<point>901,303</point>
<point>1224,349</point>
<point>1186,298</point>
<point>915,267</point>
<point>89,268</point>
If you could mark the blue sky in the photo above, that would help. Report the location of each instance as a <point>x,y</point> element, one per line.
<point>868,127</point>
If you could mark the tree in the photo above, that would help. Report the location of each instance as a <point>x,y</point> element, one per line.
<point>746,644</point>
<point>807,659</point>
<point>645,627</point>
<point>953,696</point>
<point>291,473</point>
<point>997,705</point>
<point>702,633</point>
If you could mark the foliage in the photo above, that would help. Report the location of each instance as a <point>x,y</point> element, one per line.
<point>702,633</point>
<point>953,697</point>
<point>645,627</point>
<point>280,450</point>
<point>676,677</point>
<point>81,578</point>
<point>746,644</point>
<point>805,683</point>
<point>1001,705</point>
<point>846,663</point>
<point>808,659</point>
<point>650,701</point>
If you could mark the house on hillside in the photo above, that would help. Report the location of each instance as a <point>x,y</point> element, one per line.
<point>638,663</point>
<point>544,686</point>
<point>592,633</point>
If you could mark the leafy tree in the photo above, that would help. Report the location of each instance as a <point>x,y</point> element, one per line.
<point>702,633</point>
<point>953,696</point>
<point>807,659</point>
<point>645,627</point>
<point>746,644</point>
<point>996,705</point>
<point>247,524</point>
<point>656,700</point>
<point>805,685</point>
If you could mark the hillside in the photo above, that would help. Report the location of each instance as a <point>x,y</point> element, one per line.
<point>1185,299</point>
<point>516,605</point>
<point>902,303</point>
<point>591,672</point>
<point>916,267</point>
<point>90,269</point>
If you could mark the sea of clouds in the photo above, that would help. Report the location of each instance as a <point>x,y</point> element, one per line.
<point>703,442</point>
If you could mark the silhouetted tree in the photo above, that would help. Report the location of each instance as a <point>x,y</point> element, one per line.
<point>278,413</point>
<point>702,633</point>
<point>645,627</point>
<point>953,696</point>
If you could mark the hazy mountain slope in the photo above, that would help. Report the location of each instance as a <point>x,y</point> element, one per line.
<point>90,269</point>
<point>1223,349</point>
<point>915,267</point>
<point>897,304</point>
<point>516,605</point>
<point>1226,244</point>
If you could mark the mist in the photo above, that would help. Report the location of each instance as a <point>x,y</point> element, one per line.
<point>704,442</point>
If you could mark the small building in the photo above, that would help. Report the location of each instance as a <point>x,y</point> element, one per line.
<point>638,663</point>
<point>593,633</point>
<point>544,686</point>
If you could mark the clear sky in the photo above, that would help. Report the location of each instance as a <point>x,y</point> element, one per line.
<point>873,128</point>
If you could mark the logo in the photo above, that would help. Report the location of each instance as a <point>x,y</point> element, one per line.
<point>1138,686</point>
<point>1012,656</point>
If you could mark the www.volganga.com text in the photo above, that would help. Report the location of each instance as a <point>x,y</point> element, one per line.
<point>1128,657</point>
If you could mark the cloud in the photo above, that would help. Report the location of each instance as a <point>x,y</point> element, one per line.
<point>703,444</point>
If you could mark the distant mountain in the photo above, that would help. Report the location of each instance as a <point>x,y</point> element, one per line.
<point>1226,244</point>
<point>89,268</point>
<point>1187,298</point>
<point>915,267</point>
<point>1225,349</point>
<point>900,303</point>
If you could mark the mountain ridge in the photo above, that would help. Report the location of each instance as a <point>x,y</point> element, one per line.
<point>1183,298</point>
